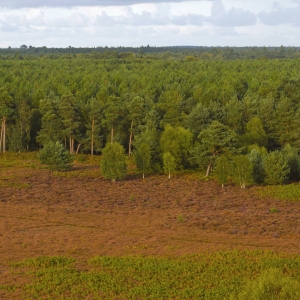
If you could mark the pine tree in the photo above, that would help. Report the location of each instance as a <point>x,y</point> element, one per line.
<point>276,168</point>
<point>56,156</point>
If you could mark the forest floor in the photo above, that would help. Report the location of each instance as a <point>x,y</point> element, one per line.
<point>80,214</point>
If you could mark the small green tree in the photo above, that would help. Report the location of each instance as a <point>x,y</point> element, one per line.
<point>242,170</point>
<point>292,158</point>
<point>169,163</point>
<point>142,158</point>
<point>276,168</point>
<point>113,162</point>
<point>256,158</point>
<point>222,169</point>
<point>56,156</point>
<point>177,141</point>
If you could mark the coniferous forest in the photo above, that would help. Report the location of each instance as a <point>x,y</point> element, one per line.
<point>232,111</point>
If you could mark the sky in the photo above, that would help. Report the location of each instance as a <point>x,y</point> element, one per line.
<point>135,23</point>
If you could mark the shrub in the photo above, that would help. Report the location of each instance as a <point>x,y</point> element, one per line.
<point>272,284</point>
<point>56,156</point>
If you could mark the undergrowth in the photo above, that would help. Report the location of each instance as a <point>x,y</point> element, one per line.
<point>290,192</point>
<point>221,275</point>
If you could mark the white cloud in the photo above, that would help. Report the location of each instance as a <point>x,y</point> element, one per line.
<point>214,22</point>
<point>282,15</point>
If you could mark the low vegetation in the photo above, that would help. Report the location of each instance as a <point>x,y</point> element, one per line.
<point>290,192</point>
<point>219,275</point>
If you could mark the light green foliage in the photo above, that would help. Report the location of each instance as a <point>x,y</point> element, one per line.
<point>113,162</point>
<point>275,167</point>
<point>169,163</point>
<point>222,169</point>
<point>56,156</point>
<point>242,170</point>
<point>270,285</point>
<point>142,158</point>
<point>218,276</point>
<point>177,141</point>
<point>255,133</point>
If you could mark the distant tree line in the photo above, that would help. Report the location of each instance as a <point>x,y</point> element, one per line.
<point>172,52</point>
<point>169,114</point>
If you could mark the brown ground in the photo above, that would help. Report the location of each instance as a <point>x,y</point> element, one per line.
<point>87,216</point>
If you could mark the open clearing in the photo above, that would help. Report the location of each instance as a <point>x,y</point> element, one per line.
<point>79,214</point>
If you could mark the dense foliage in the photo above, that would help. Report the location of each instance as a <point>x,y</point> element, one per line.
<point>195,109</point>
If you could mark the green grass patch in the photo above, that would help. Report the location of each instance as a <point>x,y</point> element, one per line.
<point>290,192</point>
<point>220,275</point>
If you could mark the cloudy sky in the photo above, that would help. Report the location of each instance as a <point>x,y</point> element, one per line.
<point>92,23</point>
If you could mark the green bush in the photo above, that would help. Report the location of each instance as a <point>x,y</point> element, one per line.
<point>56,157</point>
<point>272,284</point>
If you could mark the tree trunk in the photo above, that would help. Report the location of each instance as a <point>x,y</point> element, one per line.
<point>4,125</point>
<point>112,135</point>
<point>70,141</point>
<point>208,170</point>
<point>92,143</point>
<point>130,139</point>
<point>1,136</point>
<point>77,150</point>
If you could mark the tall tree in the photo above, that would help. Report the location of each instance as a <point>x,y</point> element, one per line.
<point>142,158</point>
<point>114,112</point>
<point>6,111</point>
<point>169,163</point>
<point>213,142</point>
<point>68,112</point>
<point>51,127</point>
<point>136,114</point>
<point>94,116</point>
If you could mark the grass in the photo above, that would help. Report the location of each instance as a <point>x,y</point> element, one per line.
<point>18,160</point>
<point>290,192</point>
<point>220,275</point>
